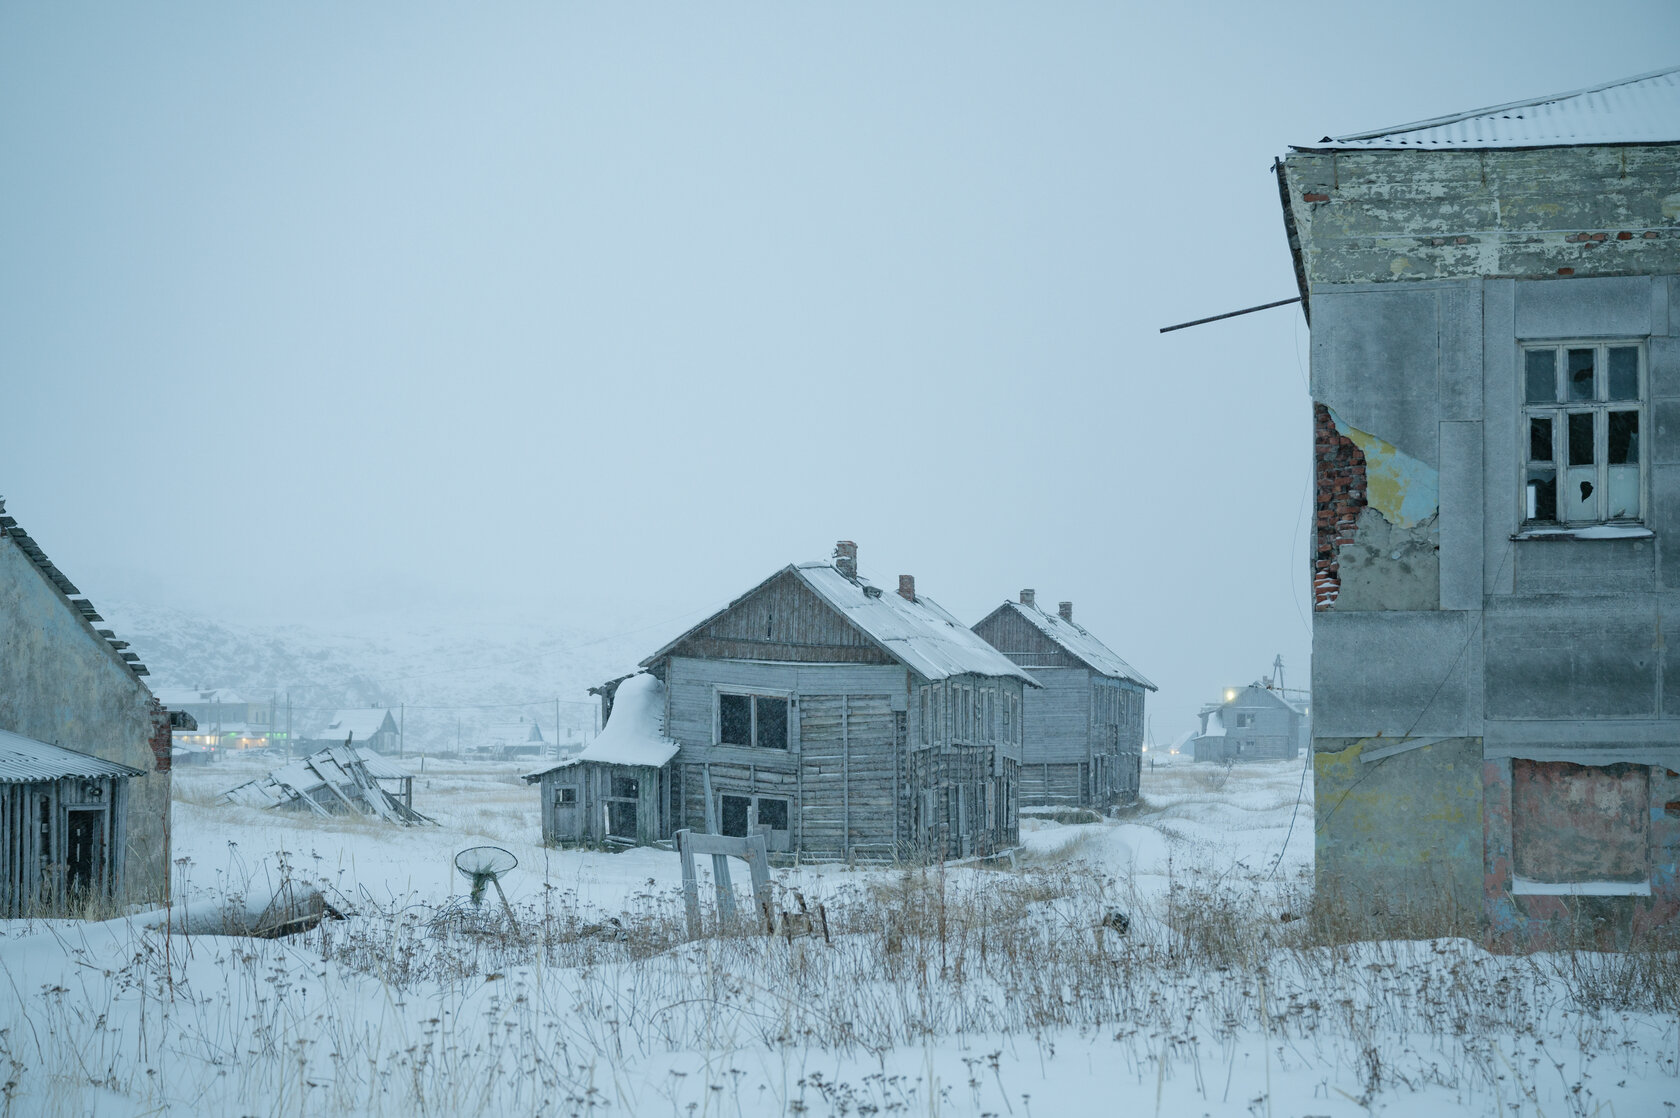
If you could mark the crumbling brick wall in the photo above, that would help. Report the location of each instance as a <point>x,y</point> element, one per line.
<point>162,739</point>
<point>1339,476</point>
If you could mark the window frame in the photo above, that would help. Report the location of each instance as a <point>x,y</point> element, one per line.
<point>753,694</point>
<point>1600,407</point>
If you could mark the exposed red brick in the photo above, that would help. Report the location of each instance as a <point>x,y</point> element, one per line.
<point>1310,197</point>
<point>1624,235</point>
<point>1339,477</point>
<point>1566,271</point>
<point>162,740</point>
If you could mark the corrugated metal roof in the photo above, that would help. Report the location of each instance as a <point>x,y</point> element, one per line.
<point>1079,642</point>
<point>1641,109</point>
<point>24,760</point>
<point>919,634</point>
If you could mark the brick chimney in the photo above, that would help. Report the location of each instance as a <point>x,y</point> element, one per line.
<point>845,558</point>
<point>1065,609</point>
<point>1026,597</point>
<point>907,587</point>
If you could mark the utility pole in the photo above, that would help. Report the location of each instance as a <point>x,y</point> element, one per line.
<point>557,726</point>
<point>402,729</point>
<point>291,747</point>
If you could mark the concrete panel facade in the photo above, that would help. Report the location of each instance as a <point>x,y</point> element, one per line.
<point>1426,273</point>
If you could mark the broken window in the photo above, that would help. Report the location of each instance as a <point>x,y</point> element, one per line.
<point>1582,410</point>
<point>772,814</point>
<point>565,797</point>
<point>753,720</point>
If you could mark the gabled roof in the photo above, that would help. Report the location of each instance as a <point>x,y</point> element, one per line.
<point>55,577</point>
<point>24,760</point>
<point>1644,109</point>
<point>634,735</point>
<point>364,722</point>
<point>196,696</point>
<point>1077,641</point>
<point>919,634</point>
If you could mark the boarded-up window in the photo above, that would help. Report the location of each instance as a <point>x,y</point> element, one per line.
<point>1580,823</point>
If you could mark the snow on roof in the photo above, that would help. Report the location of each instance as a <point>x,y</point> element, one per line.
<point>1641,109</point>
<point>1215,725</point>
<point>634,734</point>
<point>23,760</point>
<point>364,722</point>
<point>919,633</point>
<point>512,732</point>
<point>1078,641</point>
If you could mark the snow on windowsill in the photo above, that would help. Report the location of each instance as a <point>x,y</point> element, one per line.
<point>1595,532</point>
<point>1523,887</point>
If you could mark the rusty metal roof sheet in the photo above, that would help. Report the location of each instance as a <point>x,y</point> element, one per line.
<point>23,760</point>
<point>1644,109</point>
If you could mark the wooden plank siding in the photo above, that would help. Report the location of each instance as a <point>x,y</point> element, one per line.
<point>1083,743</point>
<point>35,837</point>
<point>782,621</point>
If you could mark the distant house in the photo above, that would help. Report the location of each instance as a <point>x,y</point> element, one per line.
<point>226,720</point>
<point>85,753</point>
<point>1260,722</point>
<point>839,720</point>
<point>510,739</point>
<point>373,728</point>
<point>1084,730</point>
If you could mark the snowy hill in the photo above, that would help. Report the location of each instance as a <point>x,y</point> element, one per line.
<point>449,676</point>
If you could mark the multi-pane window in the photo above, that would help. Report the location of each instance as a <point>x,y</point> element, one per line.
<point>1583,410</point>
<point>758,720</point>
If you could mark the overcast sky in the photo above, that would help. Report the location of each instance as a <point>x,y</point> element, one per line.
<point>600,313</point>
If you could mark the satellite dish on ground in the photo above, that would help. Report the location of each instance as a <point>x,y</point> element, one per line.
<point>485,865</point>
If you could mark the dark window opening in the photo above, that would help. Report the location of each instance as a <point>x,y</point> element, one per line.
<point>1540,439</point>
<point>565,795</point>
<point>1581,438</point>
<point>1624,373</point>
<point>773,814</point>
<point>621,819</point>
<point>733,816</point>
<point>626,787</point>
<point>735,719</point>
<point>772,722</point>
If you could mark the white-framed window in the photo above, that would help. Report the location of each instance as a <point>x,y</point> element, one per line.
<point>1582,417</point>
<point>753,719</point>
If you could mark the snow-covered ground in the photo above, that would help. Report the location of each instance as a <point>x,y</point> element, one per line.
<point>962,990</point>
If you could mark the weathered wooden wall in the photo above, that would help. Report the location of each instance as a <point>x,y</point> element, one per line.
<point>783,621</point>
<point>34,837</point>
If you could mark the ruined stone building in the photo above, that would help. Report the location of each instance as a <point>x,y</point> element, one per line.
<point>838,719</point>
<point>1084,728</point>
<point>84,749</point>
<point>1495,316</point>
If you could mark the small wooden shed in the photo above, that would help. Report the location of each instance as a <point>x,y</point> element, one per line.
<point>63,827</point>
<point>617,789</point>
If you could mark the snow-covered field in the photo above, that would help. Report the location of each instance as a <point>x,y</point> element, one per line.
<point>962,990</point>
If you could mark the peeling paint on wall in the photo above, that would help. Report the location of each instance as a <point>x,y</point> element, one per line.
<point>1405,490</point>
<point>1378,544</point>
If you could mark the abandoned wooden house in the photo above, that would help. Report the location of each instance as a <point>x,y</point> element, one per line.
<point>1494,299</point>
<point>839,720</point>
<point>90,746</point>
<point>618,789</point>
<point>1084,729</point>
